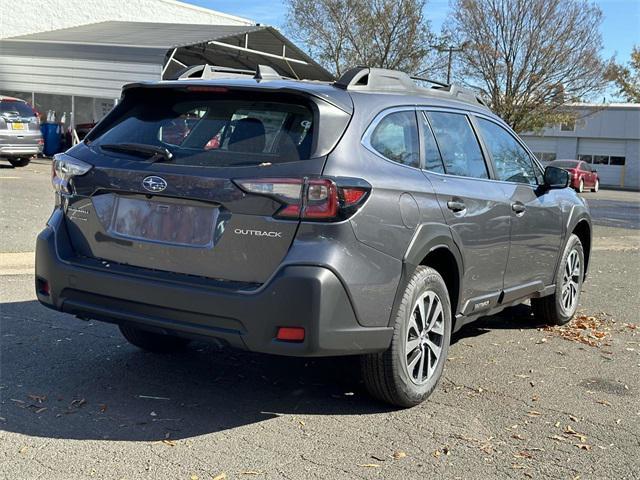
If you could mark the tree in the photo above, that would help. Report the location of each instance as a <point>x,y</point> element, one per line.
<point>627,77</point>
<point>341,34</point>
<point>530,57</point>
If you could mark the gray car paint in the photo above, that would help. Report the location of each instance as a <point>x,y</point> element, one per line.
<point>405,217</point>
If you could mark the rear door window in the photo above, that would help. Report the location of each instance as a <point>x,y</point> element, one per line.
<point>432,158</point>
<point>459,147</point>
<point>396,137</point>
<point>206,130</point>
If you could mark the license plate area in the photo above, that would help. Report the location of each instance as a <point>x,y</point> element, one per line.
<point>166,222</point>
<point>17,126</point>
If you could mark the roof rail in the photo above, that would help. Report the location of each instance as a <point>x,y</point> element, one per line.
<point>209,72</point>
<point>380,79</point>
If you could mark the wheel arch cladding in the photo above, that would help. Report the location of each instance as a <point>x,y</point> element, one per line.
<point>583,231</point>
<point>442,260</point>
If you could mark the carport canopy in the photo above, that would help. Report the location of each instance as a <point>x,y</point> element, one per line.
<point>98,59</point>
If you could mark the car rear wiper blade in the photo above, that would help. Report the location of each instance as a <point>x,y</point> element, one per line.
<point>155,154</point>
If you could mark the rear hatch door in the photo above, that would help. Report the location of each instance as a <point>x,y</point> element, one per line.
<point>182,211</point>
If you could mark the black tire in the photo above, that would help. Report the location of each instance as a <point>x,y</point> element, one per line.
<point>19,162</point>
<point>152,342</point>
<point>386,375</point>
<point>550,309</point>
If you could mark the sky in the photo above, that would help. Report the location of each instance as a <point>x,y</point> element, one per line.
<point>620,27</point>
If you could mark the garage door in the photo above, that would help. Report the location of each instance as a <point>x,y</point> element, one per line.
<point>544,148</point>
<point>607,156</point>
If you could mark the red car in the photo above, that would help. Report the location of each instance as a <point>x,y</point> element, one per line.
<point>583,175</point>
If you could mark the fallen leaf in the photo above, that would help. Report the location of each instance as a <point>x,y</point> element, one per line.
<point>517,437</point>
<point>369,465</point>
<point>37,398</point>
<point>221,476</point>
<point>557,438</point>
<point>78,402</point>
<point>251,472</point>
<point>194,477</point>
<point>399,455</point>
<point>171,443</point>
<point>40,410</point>
<point>575,419</point>
<point>103,408</point>
<point>603,402</point>
<point>523,454</point>
<point>533,413</point>
<point>437,453</point>
<point>23,449</point>
<point>583,446</point>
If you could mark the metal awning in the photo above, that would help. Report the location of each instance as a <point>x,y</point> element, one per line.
<point>98,59</point>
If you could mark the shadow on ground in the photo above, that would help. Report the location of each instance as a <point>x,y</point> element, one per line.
<point>63,378</point>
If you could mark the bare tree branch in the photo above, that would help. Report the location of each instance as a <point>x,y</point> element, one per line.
<point>531,56</point>
<point>379,33</point>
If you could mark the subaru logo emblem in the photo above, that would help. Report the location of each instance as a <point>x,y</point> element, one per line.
<point>154,184</point>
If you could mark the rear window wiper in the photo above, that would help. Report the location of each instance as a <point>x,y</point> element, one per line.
<point>155,154</point>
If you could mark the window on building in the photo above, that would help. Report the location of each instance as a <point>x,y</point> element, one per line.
<point>586,158</point>
<point>600,159</point>
<point>617,161</point>
<point>458,145</point>
<point>569,126</point>
<point>545,156</point>
<point>396,138</point>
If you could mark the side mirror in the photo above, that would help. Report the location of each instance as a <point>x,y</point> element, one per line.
<point>555,177</point>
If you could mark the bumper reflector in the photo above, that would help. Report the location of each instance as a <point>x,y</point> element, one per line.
<point>290,334</point>
<point>43,287</point>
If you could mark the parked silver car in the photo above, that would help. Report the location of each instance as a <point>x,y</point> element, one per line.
<point>20,137</point>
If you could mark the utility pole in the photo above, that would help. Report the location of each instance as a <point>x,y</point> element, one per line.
<point>450,49</point>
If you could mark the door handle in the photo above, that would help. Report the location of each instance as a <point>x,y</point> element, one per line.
<point>456,205</point>
<point>518,207</point>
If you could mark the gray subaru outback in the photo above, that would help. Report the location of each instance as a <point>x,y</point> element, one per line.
<point>373,216</point>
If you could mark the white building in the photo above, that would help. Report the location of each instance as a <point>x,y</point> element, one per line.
<point>606,135</point>
<point>32,16</point>
<point>74,56</point>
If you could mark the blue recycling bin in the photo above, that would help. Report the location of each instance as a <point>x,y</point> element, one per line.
<point>52,144</point>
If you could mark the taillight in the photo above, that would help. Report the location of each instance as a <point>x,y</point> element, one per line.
<point>63,169</point>
<point>320,199</point>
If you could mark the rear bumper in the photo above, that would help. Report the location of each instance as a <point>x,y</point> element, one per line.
<point>305,296</point>
<point>20,150</point>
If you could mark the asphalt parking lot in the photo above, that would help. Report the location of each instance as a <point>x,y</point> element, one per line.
<point>518,399</point>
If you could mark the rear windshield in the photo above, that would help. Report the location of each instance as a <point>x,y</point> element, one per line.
<point>11,108</point>
<point>565,164</point>
<point>212,129</point>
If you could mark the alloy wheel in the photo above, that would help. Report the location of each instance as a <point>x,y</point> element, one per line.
<point>425,337</point>
<point>571,282</point>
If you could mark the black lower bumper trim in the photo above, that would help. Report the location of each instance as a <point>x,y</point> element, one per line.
<point>311,297</point>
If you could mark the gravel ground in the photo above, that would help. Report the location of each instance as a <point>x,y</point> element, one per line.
<point>517,400</point>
